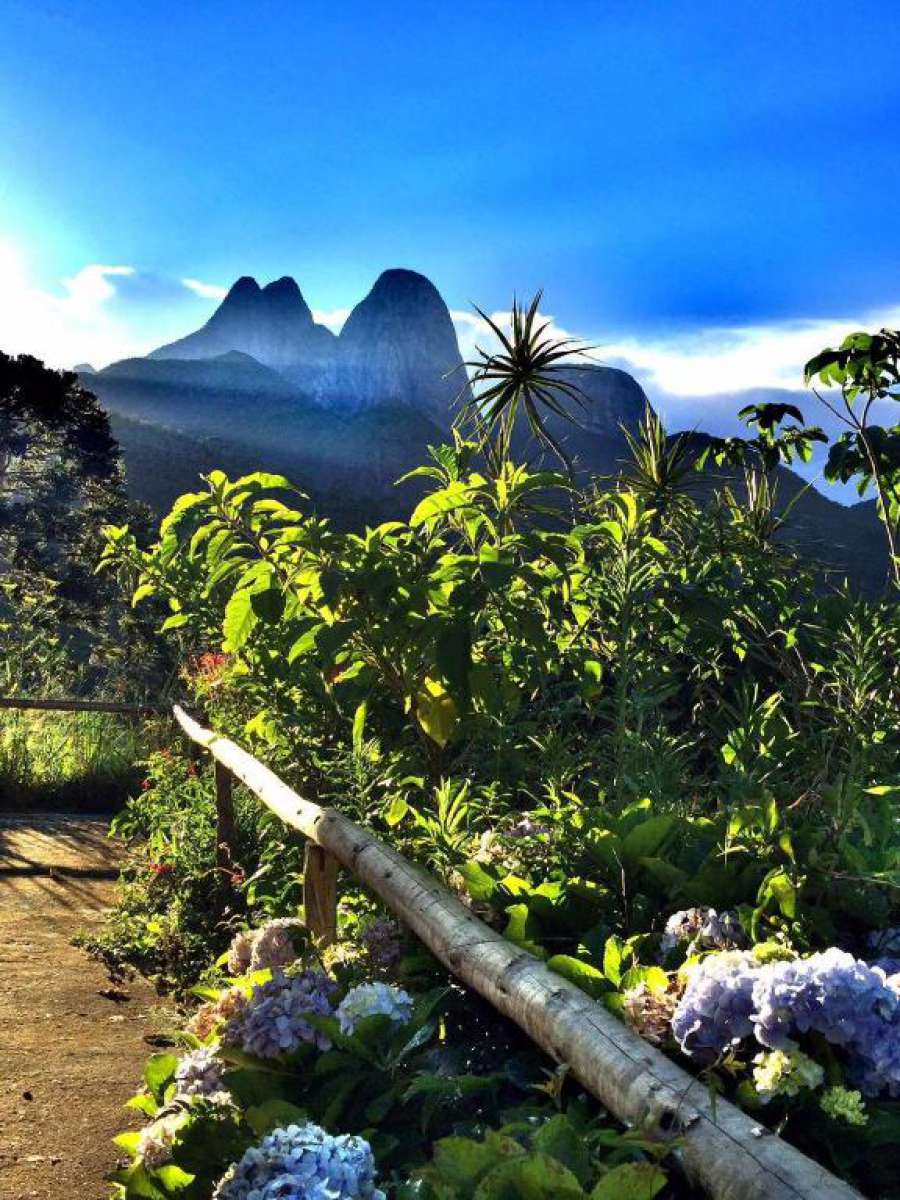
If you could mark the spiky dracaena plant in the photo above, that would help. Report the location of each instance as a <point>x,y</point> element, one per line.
<point>525,374</point>
<point>660,470</point>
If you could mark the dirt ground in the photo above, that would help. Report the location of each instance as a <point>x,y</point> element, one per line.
<point>69,1056</point>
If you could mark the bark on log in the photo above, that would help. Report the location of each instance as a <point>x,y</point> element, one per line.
<point>722,1149</point>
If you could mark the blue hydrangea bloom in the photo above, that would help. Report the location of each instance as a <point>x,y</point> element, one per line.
<point>831,993</point>
<point>303,1162</point>
<point>276,1018</point>
<point>714,1012</point>
<point>371,999</point>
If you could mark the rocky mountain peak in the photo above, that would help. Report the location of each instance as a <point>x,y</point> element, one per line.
<point>398,348</point>
<point>273,324</point>
<point>243,287</point>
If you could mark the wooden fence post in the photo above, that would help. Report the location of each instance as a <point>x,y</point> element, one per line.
<point>320,894</point>
<point>224,816</point>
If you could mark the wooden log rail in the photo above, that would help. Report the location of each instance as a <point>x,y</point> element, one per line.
<point>722,1149</point>
<point>73,705</point>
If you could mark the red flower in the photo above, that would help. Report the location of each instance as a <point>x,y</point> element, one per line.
<point>237,878</point>
<point>159,869</point>
<point>146,785</point>
<point>192,771</point>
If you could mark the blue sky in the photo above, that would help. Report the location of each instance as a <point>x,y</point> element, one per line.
<point>703,188</point>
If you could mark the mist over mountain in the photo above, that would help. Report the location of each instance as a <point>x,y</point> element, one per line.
<point>262,384</point>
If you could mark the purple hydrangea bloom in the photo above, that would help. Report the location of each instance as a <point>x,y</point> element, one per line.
<point>276,1018</point>
<point>303,1162</point>
<point>199,1073</point>
<point>277,944</point>
<point>715,1010</point>
<point>876,1067</point>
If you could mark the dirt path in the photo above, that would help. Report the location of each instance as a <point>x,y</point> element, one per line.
<point>69,1057</point>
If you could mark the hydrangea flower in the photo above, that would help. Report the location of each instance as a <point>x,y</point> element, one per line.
<point>211,1015</point>
<point>276,944</point>
<point>885,943</point>
<point>303,1161</point>
<point>849,1003</point>
<point>157,1140</point>
<point>649,1013</point>
<point>239,952</point>
<point>526,828</point>
<point>371,999</point>
<point>381,941</point>
<point>705,928</point>
<point>276,1018</point>
<point>199,1073</point>
<point>831,993</point>
<point>783,1073</point>
<point>715,1010</point>
<point>842,1104</point>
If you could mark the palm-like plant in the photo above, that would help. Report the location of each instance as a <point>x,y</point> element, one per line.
<point>660,469</point>
<point>525,374</point>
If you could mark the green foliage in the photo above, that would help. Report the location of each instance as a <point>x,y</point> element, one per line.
<point>866,368</point>
<point>585,716</point>
<point>176,908</point>
<point>61,478</point>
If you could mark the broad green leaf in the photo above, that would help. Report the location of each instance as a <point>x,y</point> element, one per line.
<point>128,1141</point>
<point>447,500</point>
<point>582,974</point>
<point>437,712</point>
<point>239,621</point>
<point>529,1177</point>
<point>630,1181</point>
<point>645,840</point>
<point>359,726</point>
<point>559,1139</point>
<point>173,1178</point>
<point>396,811</point>
<point>272,1114</point>
<point>520,928</point>
<point>653,978</point>
<point>159,1071</point>
<point>480,885</point>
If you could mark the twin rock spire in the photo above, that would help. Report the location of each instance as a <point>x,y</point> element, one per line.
<point>398,347</point>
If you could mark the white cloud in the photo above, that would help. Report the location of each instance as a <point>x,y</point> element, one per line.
<point>708,361</point>
<point>73,325</point>
<point>701,363</point>
<point>209,291</point>
<point>334,318</point>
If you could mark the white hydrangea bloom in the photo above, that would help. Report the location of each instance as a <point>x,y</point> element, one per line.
<point>372,999</point>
